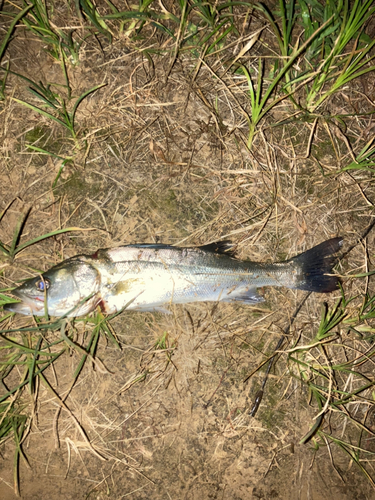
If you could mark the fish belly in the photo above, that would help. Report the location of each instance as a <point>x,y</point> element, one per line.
<point>152,286</point>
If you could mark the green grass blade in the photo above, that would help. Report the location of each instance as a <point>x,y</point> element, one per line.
<point>11,28</point>
<point>4,248</point>
<point>43,98</point>
<point>45,236</point>
<point>33,364</point>
<point>23,348</point>
<point>104,325</point>
<point>17,233</point>
<point>83,360</point>
<point>92,14</point>
<point>287,66</point>
<point>43,113</point>
<point>25,382</point>
<point>80,99</point>
<point>45,152</point>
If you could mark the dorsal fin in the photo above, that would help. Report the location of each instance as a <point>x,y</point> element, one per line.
<point>220,247</point>
<point>155,246</point>
<point>223,247</point>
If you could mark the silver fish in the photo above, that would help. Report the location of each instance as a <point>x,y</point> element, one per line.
<point>150,277</point>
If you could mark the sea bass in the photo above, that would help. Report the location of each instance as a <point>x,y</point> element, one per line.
<point>149,277</point>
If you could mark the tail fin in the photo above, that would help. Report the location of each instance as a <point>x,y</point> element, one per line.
<point>315,263</point>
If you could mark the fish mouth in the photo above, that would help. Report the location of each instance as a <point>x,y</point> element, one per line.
<point>19,307</point>
<point>27,306</point>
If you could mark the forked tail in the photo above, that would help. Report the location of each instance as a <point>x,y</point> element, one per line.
<point>316,267</point>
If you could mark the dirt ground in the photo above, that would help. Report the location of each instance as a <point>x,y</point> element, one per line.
<point>162,158</point>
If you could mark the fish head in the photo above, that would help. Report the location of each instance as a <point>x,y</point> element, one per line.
<point>70,288</point>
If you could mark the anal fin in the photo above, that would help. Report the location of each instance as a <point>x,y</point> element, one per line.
<point>249,296</point>
<point>153,309</point>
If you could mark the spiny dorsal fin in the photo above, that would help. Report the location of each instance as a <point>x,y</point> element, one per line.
<point>223,247</point>
<point>154,246</point>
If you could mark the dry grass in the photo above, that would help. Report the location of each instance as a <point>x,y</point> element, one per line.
<point>161,156</point>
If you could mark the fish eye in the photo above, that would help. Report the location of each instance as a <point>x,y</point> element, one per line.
<point>43,284</point>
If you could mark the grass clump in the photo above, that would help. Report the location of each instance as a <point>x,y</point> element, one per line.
<point>58,105</point>
<point>326,378</point>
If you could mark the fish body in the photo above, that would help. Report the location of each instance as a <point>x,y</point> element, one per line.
<point>149,277</point>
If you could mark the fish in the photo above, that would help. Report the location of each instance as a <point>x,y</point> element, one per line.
<point>150,277</point>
